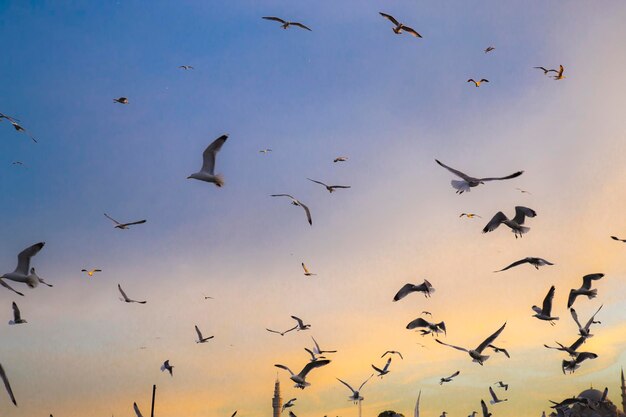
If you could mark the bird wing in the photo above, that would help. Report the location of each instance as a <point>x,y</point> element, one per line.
<point>493,394</point>
<point>590,322</point>
<point>418,322</point>
<point>317,347</point>
<point>311,353</point>
<point>380,371</point>
<point>452,346</point>
<point>454,374</point>
<point>301,26</point>
<point>23,259</point>
<point>137,410</point>
<point>306,271</point>
<point>411,31</point>
<point>119,287</point>
<point>495,222</point>
<point>272,331</point>
<point>582,356</point>
<point>209,154</point>
<point>234,414</point>
<point>312,365</point>
<point>486,412</point>
<point>508,177</point>
<point>587,280</point>
<point>137,222</point>
<point>484,80</point>
<point>199,333</point>
<point>7,385</point>
<point>571,298</point>
<point>404,291</point>
<point>7,286</point>
<point>387,364</point>
<point>389,17</point>
<point>276,19</point>
<point>285,368</point>
<point>308,213</point>
<point>455,172</point>
<point>16,313</point>
<point>490,339</point>
<point>365,382</point>
<point>348,385</point>
<point>575,317</point>
<point>516,263</point>
<point>282,195</point>
<point>574,347</point>
<point>111,218</point>
<point>547,302</point>
<point>299,320</point>
<point>521,213</point>
<point>340,186</point>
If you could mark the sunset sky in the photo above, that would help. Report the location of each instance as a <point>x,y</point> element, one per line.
<point>351,87</point>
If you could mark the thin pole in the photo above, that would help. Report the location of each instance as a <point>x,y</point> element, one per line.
<point>153,395</point>
<point>359,408</point>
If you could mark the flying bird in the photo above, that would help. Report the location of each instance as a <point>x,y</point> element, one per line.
<point>502,385</point>
<point>476,354</point>
<point>314,356</point>
<point>200,338</point>
<point>515,224</point>
<point>19,128</point>
<point>618,239</point>
<point>300,379</point>
<point>356,394</point>
<point>330,188</point>
<point>585,289</point>
<point>385,370</point>
<point>449,379</point>
<point>522,191</point>
<point>392,352</point>
<point>574,364</point>
<point>478,83</point>
<point>429,328</point>
<point>470,215</point>
<point>288,404</point>
<point>399,27</point>
<point>536,262</point>
<point>425,287</point>
<point>121,100</point>
<point>500,350</point>
<point>307,273</point>
<point>559,74</point>
<point>207,172</point>
<point>17,316</point>
<point>281,333</point>
<point>468,182</point>
<point>186,67</point>
<point>23,272</point>
<point>125,298</point>
<point>340,159</point>
<point>489,49</point>
<point>584,331</point>
<point>545,312</point>
<point>90,272</point>
<point>7,385</point>
<point>301,325</point>
<point>572,350</point>
<point>123,226</point>
<point>167,367</point>
<point>265,151</point>
<point>285,24</point>
<point>545,70</point>
<point>297,203</point>
<point>494,397</point>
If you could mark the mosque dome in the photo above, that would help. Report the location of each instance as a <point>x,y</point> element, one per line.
<point>591,394</point>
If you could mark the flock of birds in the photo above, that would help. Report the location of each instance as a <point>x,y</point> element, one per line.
<point>25,274</point>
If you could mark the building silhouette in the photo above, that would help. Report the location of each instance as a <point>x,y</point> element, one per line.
<point>623,393</point>
<point>277,401</point>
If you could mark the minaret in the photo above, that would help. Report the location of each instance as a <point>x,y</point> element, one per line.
<point>623,392</point>
<point>277,402</point>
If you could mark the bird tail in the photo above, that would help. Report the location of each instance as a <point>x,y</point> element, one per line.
<point>32,281</point>
<point>522,230</point>
<point>460,186</point>
<point>219,180</point>
<point>592,294</point>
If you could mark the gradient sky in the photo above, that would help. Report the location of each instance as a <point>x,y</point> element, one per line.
<point>351,87</point>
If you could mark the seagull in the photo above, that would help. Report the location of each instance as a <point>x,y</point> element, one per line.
<point>340,159</point>
<point>470,215</point>
<point>478,83</point>
<point>559,74</point>
<point>585,289</point>
<point>319,351</point>
<point>300,379</point>
<point>618,239</point>
<point>502,385</point>
<point>522,191</point>
<point>545,70</point>
<point>425,287</point>
<point>91,272</point>
<point>207,172</point>
<point>356,394</point>
<point>486,412</point>
<point>448,379</point>
<point>385,370</point>
<point>468,182</point>
<point>572,349</point>
<point>200,338</point>
<point>286,24</point>
<point>123,226</point>
<point>489,49</point>
<point>186,67</point>
<point>167,367</point>
<point>19,128</point>
<point>288,404</point>
<point>399,27</point>
<point>7,385</point>
<point>431,328</point>
<point>137,410</point>
<point>536,262</point>
<point>584,331</point>
<point>306,271</point>
<point>301,325</point>
<point>494,397</point>
<point>121,100</point>
<point>297,203</point>
<point>476,354</point>
<point>392,352</point>
<point>125,298</point>
<point>314,356</point>
<point>17,163</point>
<point>574,364</point>
<point>265,151</point>
<point>545,312</point>
<point>330,188</point>
<point>23,272</point>
<point>500,350</point>
<point>17,317</point>
<point>281,333</point>
<point>515,224</point>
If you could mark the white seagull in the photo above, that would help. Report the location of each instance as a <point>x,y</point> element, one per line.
<point>515,223</point>
<point>167,367</point>
<point>536,262</point>
<point>574,364</point>
<point>476,354</point>
<point>329,188</point>
<point>207,172</point>
<point>285,24</point>
<point>572,350</point>
<point>300,379</point>
<point>584,331</point>
<point>123,226</point>
<point>288,404</point>
<point>449,379</point>
<point>468,182</point>
<point>545,312</point>
<point>585,289</point>
<point>385,370</point>
<point>425,287</point>
<point>200,338</point>
<point>301,325</point>
<point>399,27</point>
<point>430,328</point>
<point>23,272</point>
<point>356,394</point>
<point>297,203</point>
<point>125,298</point>
<point>17,316</point>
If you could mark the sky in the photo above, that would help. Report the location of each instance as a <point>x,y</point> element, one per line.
<point>351,87</point>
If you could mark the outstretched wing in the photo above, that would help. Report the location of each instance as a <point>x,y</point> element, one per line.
<point>456,172</point>
<point>199,333</point>
<point>418,322</point>
<point>7,385</point>
<point>590,322</point>
<point>285,368</point>
<point>276,19</point>
<point>312,365</point>
<point>495,222</point>
<point>404,291</point>
<point>411,31</point>
<point>485,410</point>
<point>575,317</point>
<point>209,154</point>
<point>547,302</point>
<point>521,213</point>
<point>306,271</point>
<point>8,287</point>
<point>137,410</point>
<point>299,320</point>
<point>119,287</point>
<point>490,339</point>
<point>133,223</point>
<point>23,258</point>
<point>452,346</point>
<point>508,177</point>
<point>16,313</point>
<point>308,213</point>
<point>389,17</point>
<point>587,280</point>
<point>111,218</point>
<point>454,374</point>
<point>300,25</point>
<point>348,385</point>
<point>282,195</point>
<point>514,264</point>
<point>365,382</point>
